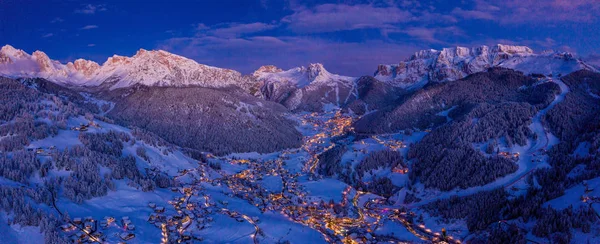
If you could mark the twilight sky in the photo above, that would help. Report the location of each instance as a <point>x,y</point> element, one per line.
<point>348,37</point>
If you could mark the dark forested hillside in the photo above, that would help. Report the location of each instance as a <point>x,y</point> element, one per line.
<point>497,85</point>
<point>484,107</point>
<point>218,121</point>
<point>373,95</point>
<point>580,110</point>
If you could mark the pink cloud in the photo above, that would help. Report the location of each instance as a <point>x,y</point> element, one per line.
<point>472,14</point>
<point>540,12</point>
<point>230,30</point>
<point>431,34</point>
<point>237,29</point>
<point>338,17</point>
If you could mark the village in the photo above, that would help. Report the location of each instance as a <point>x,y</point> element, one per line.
<point>353,220</point>
<point>192,211</point>
<point>87,230</point>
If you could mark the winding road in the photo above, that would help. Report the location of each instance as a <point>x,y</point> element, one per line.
<point>525,164</point>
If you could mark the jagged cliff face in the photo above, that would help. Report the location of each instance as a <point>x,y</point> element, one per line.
<point>310,88</point>
<point>455,63</point>
<point>150,68</point>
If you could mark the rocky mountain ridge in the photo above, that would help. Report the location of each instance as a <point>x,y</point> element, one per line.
<point>455,63</point>
<point>310,88</point>
<point>150,68</point>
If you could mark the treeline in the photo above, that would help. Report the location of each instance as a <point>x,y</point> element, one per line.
<point>579,111</point>
<point>556,225</point>
<point>23,129</point>
<point>500,233</point>
<point>495,86</point>
<point>19,166</point>
<point>27,114</point>
<point>151,139</point>
<point>508,120</point>
<point>330,165</point>
<point>102,149</point>
<point>479,210</point>
<point>482,209</point>
<point>382,186</point>
<point>444,160</point>
<point>330,161</point>
<point>23,207</point>
<point>379,159</point>
<point>109,143</point>
<point>487,107</point>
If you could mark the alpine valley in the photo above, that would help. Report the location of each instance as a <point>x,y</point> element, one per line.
<point>489,144</point>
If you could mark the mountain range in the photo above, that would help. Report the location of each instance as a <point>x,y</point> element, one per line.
<point>310,88</point>
<point>161,68</point>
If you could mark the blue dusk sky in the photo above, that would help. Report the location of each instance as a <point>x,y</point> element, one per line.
<point>348,37</point>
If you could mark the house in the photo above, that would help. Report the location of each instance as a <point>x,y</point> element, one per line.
<point>159,209</point>
<point>400,170</point>
<point>190,206</point>
<point>126,236</point>
<point>77,220</point>
<point>186,221</point>
<point>67,227</point>
<point>109,219</point>
<point>126,222</point>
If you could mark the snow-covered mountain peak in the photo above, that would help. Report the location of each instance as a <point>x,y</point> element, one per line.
<point>519,50</point>
<point>151,68</point>
<point>140,52</point>
<point>316,71</point>
<point>267,69</point>
<point>161,68</point>
<point>117,60</point>
<point>424,54</point>
<point>457,62</point>
<point>86,67</point>
<point>44,62</point>
<point>8,54</point>
<point>299,76</point>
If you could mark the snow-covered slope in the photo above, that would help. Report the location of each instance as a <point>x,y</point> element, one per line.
<point>457,62</point>
<point>151,68</point>
<point>299,76</point>
<point>305,88</point>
